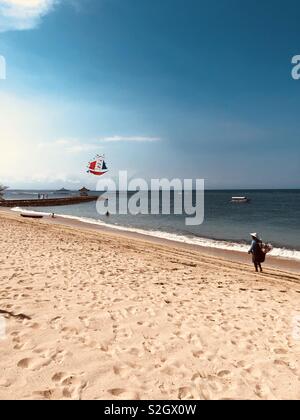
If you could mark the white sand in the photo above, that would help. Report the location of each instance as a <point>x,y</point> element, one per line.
<point>112,317</point>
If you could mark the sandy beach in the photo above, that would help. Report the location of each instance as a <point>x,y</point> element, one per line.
<point>100,315</point>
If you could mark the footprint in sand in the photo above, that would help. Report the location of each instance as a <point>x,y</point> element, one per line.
<point>197,354</point>
<point>124,394</point>
<point>73,388</point>
<point>223,373</point>
<point>27,345</point>
<point>5,383</point>
<point>71,385</point>
<point>121,371</point>
<point>54,323</point>
<point>34,326</point>
<point>46,395</point>
<point>185,393</point>
<point>45,358</point>
<point>58,376</point>
<point>25,363</point>
<point>280,351</point>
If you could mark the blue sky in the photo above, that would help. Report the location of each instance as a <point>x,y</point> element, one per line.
<point>165,88</point>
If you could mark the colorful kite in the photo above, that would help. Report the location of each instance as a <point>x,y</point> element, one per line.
<point>97,166</point>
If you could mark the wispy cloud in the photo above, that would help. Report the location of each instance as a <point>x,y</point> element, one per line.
<point>70,145</point>
<point>23,14</point>
<point>75,145</point>
<point>138,139</point>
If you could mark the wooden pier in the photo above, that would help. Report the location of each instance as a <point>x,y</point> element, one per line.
<point>48,202</point>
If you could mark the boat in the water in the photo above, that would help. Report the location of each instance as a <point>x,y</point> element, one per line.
<point>240,200</point>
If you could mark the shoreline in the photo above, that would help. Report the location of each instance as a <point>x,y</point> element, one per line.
<point>277,263</point>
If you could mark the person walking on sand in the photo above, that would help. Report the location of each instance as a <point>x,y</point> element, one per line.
<point>258,256</point>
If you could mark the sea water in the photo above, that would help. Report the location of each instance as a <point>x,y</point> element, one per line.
<point>274,214</point>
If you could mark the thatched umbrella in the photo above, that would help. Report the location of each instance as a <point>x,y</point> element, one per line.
<point>84,192</point>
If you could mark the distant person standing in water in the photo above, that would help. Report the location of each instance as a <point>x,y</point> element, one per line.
<point>258,256</point>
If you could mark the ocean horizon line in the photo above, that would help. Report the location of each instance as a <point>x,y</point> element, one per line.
<point>206,189</point>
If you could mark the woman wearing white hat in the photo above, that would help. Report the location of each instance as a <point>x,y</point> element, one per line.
<point>258,256</point>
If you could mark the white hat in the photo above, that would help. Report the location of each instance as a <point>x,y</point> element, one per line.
<point>255,235</point>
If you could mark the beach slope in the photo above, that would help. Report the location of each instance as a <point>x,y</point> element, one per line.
<point>96,315</point>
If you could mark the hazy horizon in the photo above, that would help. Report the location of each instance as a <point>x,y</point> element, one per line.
<point>207,189</point>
